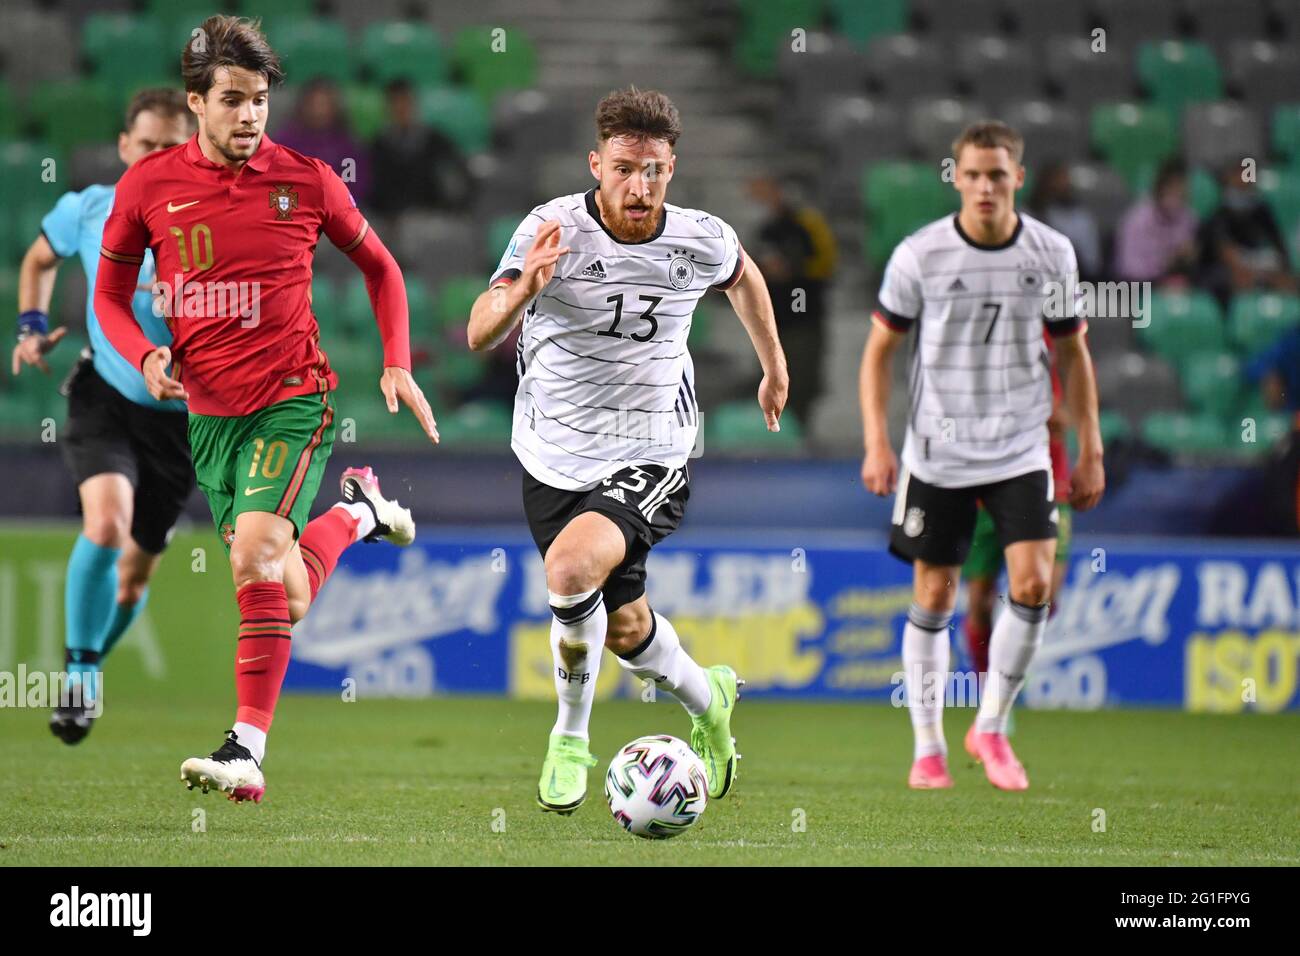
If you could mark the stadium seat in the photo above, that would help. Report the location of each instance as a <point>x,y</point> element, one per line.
<point>500,232</point>
<point>1175,73</point>
<point>489,69</point>
<point>1256,319</point>
<point>899,198</point>
<point>1264,73</point>
<point>1286,130</point>
<point>1102,190</point>
<point>10,117</point>
<point>907,68</point>
<point>828,66</point>
<point>454,301</point>
<point>739,426</point>
<point>72,112</point>
<point>1051,131</point>
<point>1180,433</point>
<point>1038,18</point>
<point>766,25</point>
<point>1127,22</point>
<point>1084,77</point>
<point>480,423</point>
<point>1212,382</point>
<point>367,112</point>
<point>1221,132</point>
<point>959,20</point>
<point>995,69</point>
<point>1183,324</point>
<point>861,22</point>
<point>933,124</point>
<point>1202,189</point>
<point>1281,188</point>
<point>1113,426</point>
<point>854,130</point>
<point>325,303</point>
<point>1217,22</point>
<point>459,113</point>
<point>313,48</point>
<point>37,46</point>
<point>126,51</point>
<point>403,50</point>
<point>1133,135</point>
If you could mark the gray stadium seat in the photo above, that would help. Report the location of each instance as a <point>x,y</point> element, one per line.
<point>933,124</point>
<point>1101,189</point>
<point>995,69</point>
<point>907,67</point>
<point>37,45</point>
<point>1130,22</point>
<point>1264,72</point>
<point>1136,384</point>
<point>1084,77</point>
<point>855,131</point>
<point>1109,337</point>
<point>1052,132</point>
<point>533,121</point>
<point>95,163</point>
<point>960,19</point>
<point>1039,18</point>
<point>830,65</point>
<point>1217,133</point>
<point>435,245</point>
<point>1218,22</point>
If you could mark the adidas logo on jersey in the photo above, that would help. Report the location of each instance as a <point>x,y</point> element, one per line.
<point>957,285</point>
<point>594,271</point>
<point>617,495</point>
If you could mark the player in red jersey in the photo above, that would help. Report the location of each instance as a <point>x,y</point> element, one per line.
<point>233,220</point>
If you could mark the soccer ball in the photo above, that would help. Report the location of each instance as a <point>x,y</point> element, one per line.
<point>656,787</point>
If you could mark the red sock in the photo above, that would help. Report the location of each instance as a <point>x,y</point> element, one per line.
<point>321,544</point>
<point>977,643</point>
<point>263,651</point>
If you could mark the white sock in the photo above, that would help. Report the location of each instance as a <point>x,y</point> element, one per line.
<point>662,659</point>
<point>365,517</point>
<point>1016,636</point>
<point>577,641</point>
<point>254,738</point>
<point>925,677</point>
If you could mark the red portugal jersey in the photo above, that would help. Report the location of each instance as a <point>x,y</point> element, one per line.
<point>234,258</point>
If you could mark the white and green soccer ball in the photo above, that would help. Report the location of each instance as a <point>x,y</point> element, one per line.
<point>656,787</point>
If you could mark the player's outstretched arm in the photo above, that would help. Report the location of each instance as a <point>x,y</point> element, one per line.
<point>1088,480</point>
<point>880,465</point>
<point>754,308</point>
<point>498,310</point>
<point>387,292</point>
<point>35,288</point>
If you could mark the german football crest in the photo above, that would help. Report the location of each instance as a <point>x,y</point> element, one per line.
<point>681,272</point>
<point>284,200</point>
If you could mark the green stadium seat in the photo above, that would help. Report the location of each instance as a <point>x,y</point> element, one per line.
<point>325,304</point>
<point>739,426</point>
<point>1257,319</point>
<point>455,300</point>
<point>483,424</point>
<point>367,112</point>
<point>419,304</point>
<point>1286,131</point>
<point>1212,382</point>
<point>312,48</point>
<point>456,370</point>
<point>1113,426</point>
<point>899,198</point>
<point>460,114</point>
<point>398,49</point>
<point>1180,433</point>
<point>10,115</point>
<point>766,24</point>
<point>1176,72</point>
<point>125,51</point>
<point>1133,136</point>
<point>488,68</point>
<point>73,112</point>
<point>861,22</point>
<point>1183,324</point>
<point>1281,189</point>
<point>702,324</point>
<point>500,232</point>
<point>276,8</point>
<point>1203,190</point>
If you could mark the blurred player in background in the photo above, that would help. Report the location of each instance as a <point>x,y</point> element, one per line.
<point>605,283</point>
<point>984,563</point>
<point>128,451</point>
<point>235,219</point>
<point>976,285</point>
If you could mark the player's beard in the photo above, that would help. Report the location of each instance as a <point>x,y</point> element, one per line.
<point>236,153</point>
<point>632,230</point>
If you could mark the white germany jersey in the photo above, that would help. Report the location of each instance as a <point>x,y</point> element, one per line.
<point>605,380</point>
<point>981,385</point>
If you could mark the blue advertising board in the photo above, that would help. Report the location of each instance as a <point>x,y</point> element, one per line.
<point>1140,621</point>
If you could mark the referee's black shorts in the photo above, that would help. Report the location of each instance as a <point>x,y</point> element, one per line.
<point>107,433</point>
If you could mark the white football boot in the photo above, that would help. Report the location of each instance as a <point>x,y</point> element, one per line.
<point>392,522</point>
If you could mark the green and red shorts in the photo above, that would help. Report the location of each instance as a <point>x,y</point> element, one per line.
<point>271,460</point>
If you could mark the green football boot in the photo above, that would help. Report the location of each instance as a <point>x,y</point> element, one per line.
<point>711,733</point>
<point>563,784</point>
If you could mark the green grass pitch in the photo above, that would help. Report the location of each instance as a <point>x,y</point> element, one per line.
<point>452,781</point>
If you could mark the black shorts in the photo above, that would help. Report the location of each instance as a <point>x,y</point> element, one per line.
<point>647,502</point>
<point>108,433</point>
<point>935,524</point>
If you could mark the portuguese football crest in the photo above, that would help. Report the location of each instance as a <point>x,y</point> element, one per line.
<point>284,200</point>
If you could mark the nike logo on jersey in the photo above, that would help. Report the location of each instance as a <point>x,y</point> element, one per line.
<point>253,491</point>
<point>172,207</point>
<point>249,660</point>
<point>594,271</point>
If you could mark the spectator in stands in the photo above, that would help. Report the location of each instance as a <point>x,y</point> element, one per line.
<point>1277,371</point>
<point>1156,239</point>
<point>416,166</point>
<point>796,252</point>
<point>1241,245</point>
<point>319,128</point>
<point>1053,201</point>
